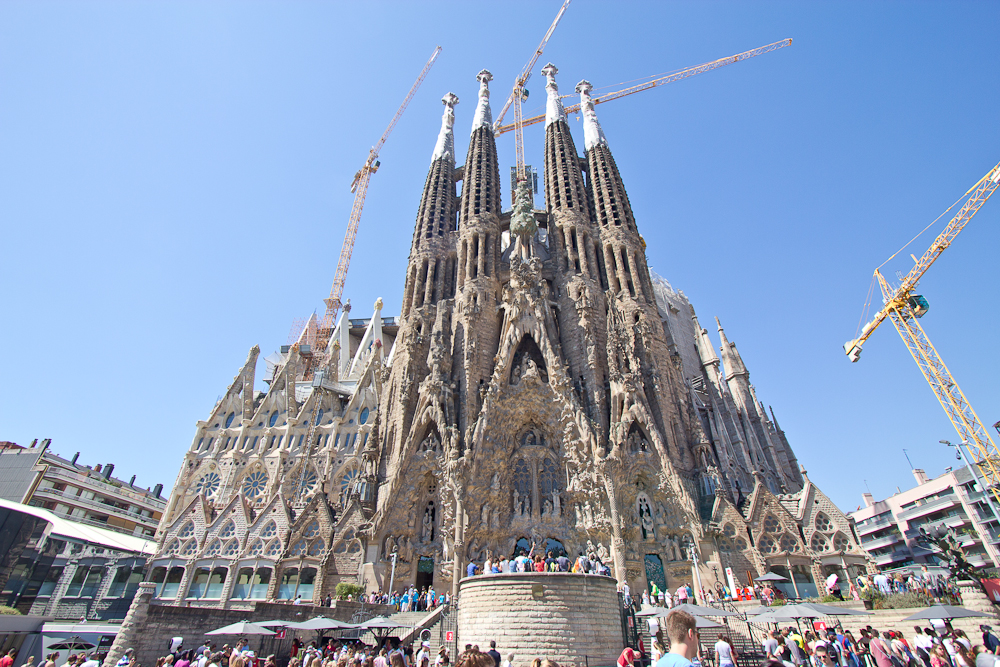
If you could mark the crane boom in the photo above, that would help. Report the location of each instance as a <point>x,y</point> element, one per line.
<point>903,309</point>
<point>670,78</point>
<point>896,298</point>
<point>360,188</point>
<point>526,72</point>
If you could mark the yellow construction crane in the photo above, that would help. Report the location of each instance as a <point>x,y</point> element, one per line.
<point>904,307</point>
<point>575,108</point>
<point>519,94</point>
<point>360,188</point>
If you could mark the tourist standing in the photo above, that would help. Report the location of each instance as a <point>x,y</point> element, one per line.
<point>725,654</point>
<point>683,634</point>
<point>493,653</point>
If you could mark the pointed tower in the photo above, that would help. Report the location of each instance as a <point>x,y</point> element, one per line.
<point>575,248</point>
<point>477,324</point>
<point>431,273</point>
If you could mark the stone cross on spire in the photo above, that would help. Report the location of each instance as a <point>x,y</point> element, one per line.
<point>592,132</point>
<point>553,105</point>
<point>445,146</point>
<point>483,117</point>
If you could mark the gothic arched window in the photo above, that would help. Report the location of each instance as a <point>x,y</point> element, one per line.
<point>522,488</point>
<point>228,530</point>
<point>548,477</point>
<point>270,530</point>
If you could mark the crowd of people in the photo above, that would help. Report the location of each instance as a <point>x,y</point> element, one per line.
<point>944,647</point>
<point>408,598</point>
<point>539,560</point>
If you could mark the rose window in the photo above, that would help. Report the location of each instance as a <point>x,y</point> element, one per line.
<point>254,484</point>
<point>345,483</point>
<point>823,523</point>
<point>208,484</point>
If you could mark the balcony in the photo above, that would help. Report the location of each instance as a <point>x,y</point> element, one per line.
<point>881,542</point>
<point>929,507</point>
<point>897,555</point>
<point>89,503</point>
<point>101,485</point>
<point>876,523</point>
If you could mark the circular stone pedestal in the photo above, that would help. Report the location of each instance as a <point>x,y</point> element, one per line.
<point>573,619</point>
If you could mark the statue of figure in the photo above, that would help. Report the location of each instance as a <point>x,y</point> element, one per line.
<point>530,368</point>
<point>425,529</point>
<point>522,220</point>
<point>446,549</point>
<point>546,507</point>
<point>675,545</point>
<point>484,516</point>
<point>588,514</point>
<point>517,503</point>
<point>590,547</point>
<point>515,375</point>
<point>579,515</point>
<point>495,519</point>
<point>495,484</point>
<point>602,553</point>
<point>529,439</point>
<point>389,545</point>
<point>407,550</point>
<point>556,503</point>
<point>647,524</point>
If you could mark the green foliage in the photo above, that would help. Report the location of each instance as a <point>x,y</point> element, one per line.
<point>779,602</point>
<point>8,611</point>
<point>830,598</point>
<point>344,589</point>
<point>902,601</point>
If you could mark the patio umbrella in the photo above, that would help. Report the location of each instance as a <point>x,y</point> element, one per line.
<point>699,610</point>
<point>702,622</point>
<point>322,623</point>
<point>833,610</point>
<point>278,624</point>
<point>771,576</point>
<point>381,623</point>
<point>72,644</point>
<point>648,611</point>
<point>788,612</point>
<point>242,628</point>
<point>944,612</point>
<point>762,609</point>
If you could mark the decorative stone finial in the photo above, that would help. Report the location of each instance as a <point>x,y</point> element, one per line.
<point>553,105</point>
<point>445,146</point>
<point>483,117</point>
<point>592,132</point>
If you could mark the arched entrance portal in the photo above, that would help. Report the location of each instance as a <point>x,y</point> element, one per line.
<point>425,572</point>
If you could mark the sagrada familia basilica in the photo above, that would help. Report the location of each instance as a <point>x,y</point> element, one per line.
<point>540,386</point>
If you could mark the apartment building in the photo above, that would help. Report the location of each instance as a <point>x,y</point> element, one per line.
<point>38,477</point>
<point>889,530</point>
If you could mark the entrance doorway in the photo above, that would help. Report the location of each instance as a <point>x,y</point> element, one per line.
<point>654,572</point>
<point>425,572</point>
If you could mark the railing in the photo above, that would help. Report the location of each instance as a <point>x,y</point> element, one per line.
<point>883,541</point>
<point>73,499</point>
<point>106,486</point>
<point>928,507</point>
<point>875,523</point>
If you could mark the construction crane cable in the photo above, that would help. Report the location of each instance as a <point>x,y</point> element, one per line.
<point>920,233</point>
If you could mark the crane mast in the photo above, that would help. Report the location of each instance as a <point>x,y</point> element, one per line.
<point>670,78</point>
<point>360,188</point>
<point>904,308</point>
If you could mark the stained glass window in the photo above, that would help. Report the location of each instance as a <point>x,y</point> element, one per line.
<point>254,484</point>
<point>208,484</point>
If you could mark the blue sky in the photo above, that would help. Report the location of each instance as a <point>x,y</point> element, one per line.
<point>174,188</point>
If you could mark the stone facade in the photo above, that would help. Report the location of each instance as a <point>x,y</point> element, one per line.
<point>570,618</point>
<point>541,386</point>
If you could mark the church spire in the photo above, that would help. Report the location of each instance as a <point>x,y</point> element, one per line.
<point>553,105</point>
<point>592,132</point>
<point>483,116</point>
<point>730,355</point>
<point>445,147</point>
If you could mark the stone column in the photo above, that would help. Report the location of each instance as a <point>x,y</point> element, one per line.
<point>132,626</point>
<point>458,553</point>
<point>617,542</point>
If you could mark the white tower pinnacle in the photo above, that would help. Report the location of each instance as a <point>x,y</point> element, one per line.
<point>553,105</point>
<point>592,132</point>
<point>483,117</point>
<point>445,146</point>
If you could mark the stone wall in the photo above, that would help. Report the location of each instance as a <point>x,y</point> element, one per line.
<point>159,623</point>
<point>573,619</point>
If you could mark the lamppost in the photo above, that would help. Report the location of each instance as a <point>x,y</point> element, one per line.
<point>392,577</point>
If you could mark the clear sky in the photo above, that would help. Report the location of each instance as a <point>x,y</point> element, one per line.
<point>174,188</point>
